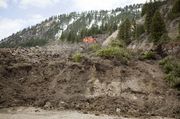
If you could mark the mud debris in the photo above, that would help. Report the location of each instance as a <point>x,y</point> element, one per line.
<point>35,77</point>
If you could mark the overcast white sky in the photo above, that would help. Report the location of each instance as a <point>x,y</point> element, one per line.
<point>18,14</point>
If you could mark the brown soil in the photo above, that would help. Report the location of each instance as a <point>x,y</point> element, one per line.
<point>36,77</point>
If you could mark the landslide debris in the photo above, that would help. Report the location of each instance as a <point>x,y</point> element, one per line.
<point>37,77</point>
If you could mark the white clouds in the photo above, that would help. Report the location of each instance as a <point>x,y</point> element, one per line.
<point>128,2</point>
<point>78,4</point>
<point>37,3</point>
<point>34,19</point>
<point>3,3</point>
<point>9,26</point>
<point>103,4</point>
<point>29,3</point>
<point>94,4</point>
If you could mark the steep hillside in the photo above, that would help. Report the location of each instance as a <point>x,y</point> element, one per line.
<point>142,28</point>
<point>72,27</point>
<point>42,78</point>
<point>155,36</point>
<point>135,73</point>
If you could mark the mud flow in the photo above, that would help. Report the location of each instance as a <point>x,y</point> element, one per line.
<point>51,81</point>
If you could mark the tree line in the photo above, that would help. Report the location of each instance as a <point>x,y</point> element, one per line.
<point>154,26</point>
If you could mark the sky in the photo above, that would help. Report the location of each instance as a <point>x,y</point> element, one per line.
<point>18,14</point>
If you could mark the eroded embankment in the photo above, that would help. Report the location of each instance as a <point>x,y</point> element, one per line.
<point>42,79</point>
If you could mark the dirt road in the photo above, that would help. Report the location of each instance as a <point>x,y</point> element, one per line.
<point>36,113</point>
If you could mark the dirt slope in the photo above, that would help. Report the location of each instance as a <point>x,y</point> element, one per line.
<point>35,77</point>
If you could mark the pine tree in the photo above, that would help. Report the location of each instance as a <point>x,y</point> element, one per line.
<point>149,15</point>
<point>62,37</point>
<point>134,29</point>
<point>83,33</point>
<point>179,27</point>
<point>178,37</point>
<point>144,9</point>
<point>112,27</point>
<point>176,7</point>
<point>125,31</point>
<point>158,27</point>
<point>150,9</point>
<point>139,30</point>
<point>121,32</point>
<point>71,37</point>
<point>175,12</point>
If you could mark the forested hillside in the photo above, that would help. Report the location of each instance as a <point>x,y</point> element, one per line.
<point>72,27</point>
<point>158,20</point>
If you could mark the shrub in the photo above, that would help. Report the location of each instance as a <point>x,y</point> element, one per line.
<point>163,61</point>
<point>34,42</point>
<point>178,38</point>
<point>77,57</point>
<point>117,43</point>
<point>164,39</point>
<point>167,65</point>
<point>113,52</point>
<point>171,67</point>
<point>95,47</point>
<point>173,80</point>
<point>148,55</point>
